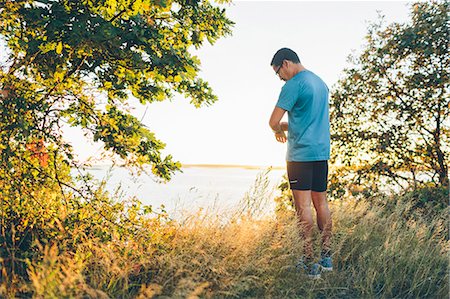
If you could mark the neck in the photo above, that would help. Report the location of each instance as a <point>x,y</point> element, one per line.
<point>298,67</point>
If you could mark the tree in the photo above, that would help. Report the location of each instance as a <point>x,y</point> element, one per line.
<point>390,111</point>
<point>78,62</point>
<point>66,55</point>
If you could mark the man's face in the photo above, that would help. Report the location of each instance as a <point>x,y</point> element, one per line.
<point>280,70</point>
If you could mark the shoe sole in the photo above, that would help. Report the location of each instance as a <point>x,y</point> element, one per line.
<point>328,269</point>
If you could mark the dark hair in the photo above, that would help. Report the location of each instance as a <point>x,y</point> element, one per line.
<point>284,54</point>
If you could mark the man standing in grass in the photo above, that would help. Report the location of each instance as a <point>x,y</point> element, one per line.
<point>305,97</point>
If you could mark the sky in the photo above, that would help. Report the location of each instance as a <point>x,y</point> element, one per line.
<point>235,129</point>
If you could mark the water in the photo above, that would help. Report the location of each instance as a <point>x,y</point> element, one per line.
<point>214,188</point>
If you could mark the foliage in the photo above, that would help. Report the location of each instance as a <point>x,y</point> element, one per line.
<point>66,56</point>
<point>48,237</point>
<point>390,111</point>
<point>425,202</point>
<point>379,250</point>
<point>78,63</point>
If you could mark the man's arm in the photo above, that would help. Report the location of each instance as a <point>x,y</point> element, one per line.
<point>276,125</point>
<point>275,119</point>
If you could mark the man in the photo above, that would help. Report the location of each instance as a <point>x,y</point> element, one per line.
<point>305,97</point>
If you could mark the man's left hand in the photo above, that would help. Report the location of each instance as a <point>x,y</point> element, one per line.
<point>280,137</point>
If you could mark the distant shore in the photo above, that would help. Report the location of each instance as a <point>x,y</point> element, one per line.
<point>230,166</point>
<point>277,167</point>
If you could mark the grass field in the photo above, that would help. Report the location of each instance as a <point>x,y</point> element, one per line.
<point>382,248</point>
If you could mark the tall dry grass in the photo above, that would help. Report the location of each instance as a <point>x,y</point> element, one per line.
<point>380,250</point>
<point>376,256</point>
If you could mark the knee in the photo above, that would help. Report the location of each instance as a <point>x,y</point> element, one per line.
<point>304,211</point>
<point>320,202</point>
<point>322,205</point>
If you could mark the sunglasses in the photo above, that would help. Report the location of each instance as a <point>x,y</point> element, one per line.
<point>279,68</point>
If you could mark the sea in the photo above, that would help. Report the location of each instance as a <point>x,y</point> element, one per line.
<point>216,189</point>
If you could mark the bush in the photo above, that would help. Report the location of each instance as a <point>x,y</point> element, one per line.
<point>62,241</point>
<point>97,247</point>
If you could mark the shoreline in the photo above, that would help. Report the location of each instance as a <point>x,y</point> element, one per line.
<point>232,166</point>
<point>277,167</point>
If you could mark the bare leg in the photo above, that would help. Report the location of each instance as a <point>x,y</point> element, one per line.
<point>323,218</point>
<point>302,200</point>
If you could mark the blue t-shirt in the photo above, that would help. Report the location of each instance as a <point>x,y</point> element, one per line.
<point>305,97</point>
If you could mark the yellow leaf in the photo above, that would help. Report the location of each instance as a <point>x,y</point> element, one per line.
<point>59,48</point>
<point>59,76</point>
<point>190,71</point>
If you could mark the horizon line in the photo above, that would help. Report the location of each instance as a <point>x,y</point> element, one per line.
<point>211,165</point>
<point>208,165</point>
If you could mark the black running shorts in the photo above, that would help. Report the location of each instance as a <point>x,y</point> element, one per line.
<point>308,175</point>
